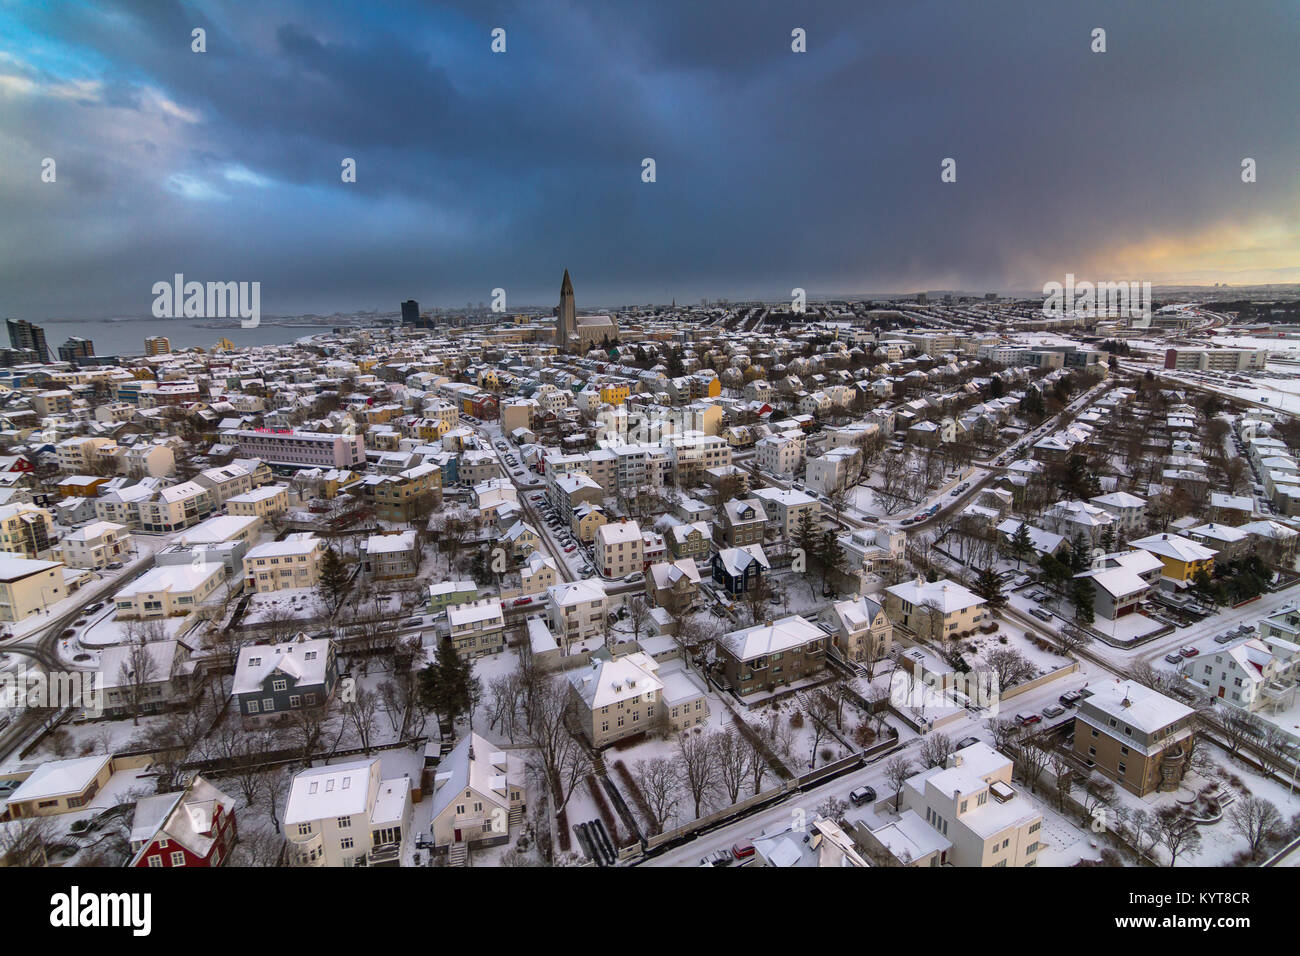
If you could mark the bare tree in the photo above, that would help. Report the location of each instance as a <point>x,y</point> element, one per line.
<point>734,755</point>
<point>658,779</point>
<point>697,766</point>
<point>1254,818</point>
<point>360,712</point>
<point>897,772</point>
<point>936,749</point>
<point>1177,832</point>
<point>1009,666</point>
<point>1032,759</point>
<point>1237,726</point>
<point>136,672</point>
<point>560,757</point>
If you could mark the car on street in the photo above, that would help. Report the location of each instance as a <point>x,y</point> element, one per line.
<point>1070,698</point>
<point>1173,658</point>
<point>1053,710</point>
<point>966,742</point>
<point>862,795</point>
<point>1188,651</point>
<point>1025,720</point>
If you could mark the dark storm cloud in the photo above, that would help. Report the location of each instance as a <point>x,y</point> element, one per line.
<point>774,169</point>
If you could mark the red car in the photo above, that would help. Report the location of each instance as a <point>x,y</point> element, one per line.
<point>742,851</point>
<point>1024,720</point>
<point>569,549</point>
<point>523,600</point>
<point>1188,651</point>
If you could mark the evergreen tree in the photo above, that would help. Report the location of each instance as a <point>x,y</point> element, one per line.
<point>1021,544</point>
<point>1081,596</point>
<point>332,583</point>
<point>988,585</point>
<point>448,686</point>
<point>829,556</point>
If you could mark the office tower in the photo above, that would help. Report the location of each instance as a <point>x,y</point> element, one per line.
<point>76,348</point>
<point>24,335</point>
<point>157,345</point>
<point>410,312</point>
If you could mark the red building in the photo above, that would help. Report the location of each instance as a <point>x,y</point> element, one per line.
<point>195,827</point>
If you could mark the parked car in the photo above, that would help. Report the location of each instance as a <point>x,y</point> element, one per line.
<point>1024,720</point>
<point>1070,698</point>
<point>634,577</point>
<point>1053,710</point>
<point>717,858</point>
<point>519,602</point>
<point>862,795</point>
<point>743,851</point>
<point>1039,613</point>
<point>569,549</point>
<point>1188,651</point>
<point>1173,658</point>
<point>966,742</point>
<point>1225,638</point>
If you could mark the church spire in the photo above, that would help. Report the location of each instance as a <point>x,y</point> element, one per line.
<point>566,287</point>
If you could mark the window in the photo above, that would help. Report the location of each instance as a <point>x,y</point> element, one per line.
<point>155,860</point>
<point>345,822</point>
<point>304,829</point>
<point>178,858</point>
<point>279,685</point>
<point>345,843</point>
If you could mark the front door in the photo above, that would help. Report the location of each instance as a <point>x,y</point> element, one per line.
<point>1221,691</point>
<point>457,836</point>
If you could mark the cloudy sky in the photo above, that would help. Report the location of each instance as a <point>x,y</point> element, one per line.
<point>774,169</point>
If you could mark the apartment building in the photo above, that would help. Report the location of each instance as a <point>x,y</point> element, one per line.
<point>620,547</point>
<point>224,482</point>
<point>1138,737</point>
<point>937,610</point>
<point>478,628</point>
<point>347,815</point>
<point>28,586</point>
<point>1129,512</point>
<point>694,453</point>
<point>390,557</point>
<point>405,495</point>
<point>175,508</point>
<point>786,509</point>
<point>693,540</point>
<point>782,454</point>
<point>169,590</point>
<point>94,546</point>
<point>577,610</point>
<point>766,658</point>
<point>291,563</point>
<point>27,530</point>
<point>860,629</point>
<point>624,696</point>
<point>287,446</point>
<point>265,502</point>
<point>972,805</point>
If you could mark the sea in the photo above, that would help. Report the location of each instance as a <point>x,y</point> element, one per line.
<point>126,336</point>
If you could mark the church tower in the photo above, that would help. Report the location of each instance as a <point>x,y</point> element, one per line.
<point>565,321</point>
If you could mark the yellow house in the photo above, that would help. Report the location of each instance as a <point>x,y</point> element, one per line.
<point>1182,558</point>
<point>613,394</point>
<point>587,521</point>
<point>713,389</point>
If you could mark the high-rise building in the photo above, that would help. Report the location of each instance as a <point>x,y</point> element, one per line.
<point>157,345</point>
<point>76,348</point>
<point>24,335</point>
<point>566,314</point>
<point>410,312</point>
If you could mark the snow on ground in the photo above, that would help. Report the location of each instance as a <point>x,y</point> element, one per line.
<point>296,602</point>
